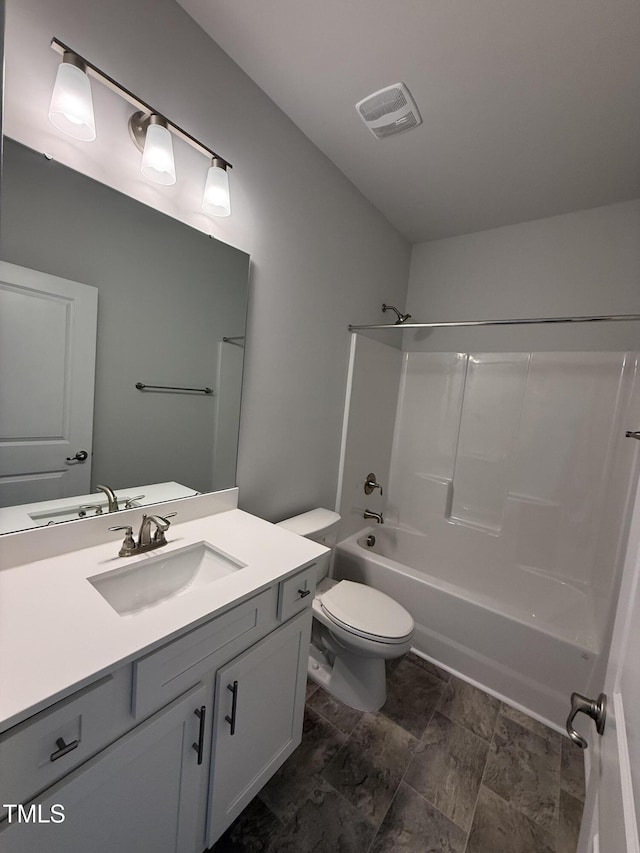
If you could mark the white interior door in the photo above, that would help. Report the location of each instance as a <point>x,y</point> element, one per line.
<point>610,821</point>
<point>47,367</point>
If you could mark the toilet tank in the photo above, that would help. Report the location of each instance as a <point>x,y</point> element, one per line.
<point>320,525</point>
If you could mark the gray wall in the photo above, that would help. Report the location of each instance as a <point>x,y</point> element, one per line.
<point>2,17</point>
<point>322,256</point>
<point>167,294</point>
<point>583,263</point>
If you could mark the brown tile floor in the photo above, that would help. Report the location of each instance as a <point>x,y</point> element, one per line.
<point>441,768</point>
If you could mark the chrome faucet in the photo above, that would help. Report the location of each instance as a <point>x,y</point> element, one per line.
<point>111,497</point>
<point>377,515</point>
<point>145,542</point>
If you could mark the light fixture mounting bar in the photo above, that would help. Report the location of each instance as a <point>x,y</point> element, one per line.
<point>93,71</point>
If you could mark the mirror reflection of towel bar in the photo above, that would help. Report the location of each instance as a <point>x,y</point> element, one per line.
<point>142,387</point>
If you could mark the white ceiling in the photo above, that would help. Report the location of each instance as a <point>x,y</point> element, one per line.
<point>531,107</point>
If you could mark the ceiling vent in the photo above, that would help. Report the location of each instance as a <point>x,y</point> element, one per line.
<point>390,111</point>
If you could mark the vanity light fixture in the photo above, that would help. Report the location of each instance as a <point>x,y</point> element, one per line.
<point>215,199</point>
<point>150,135</point>
<point>71,108</point>
<point>151,132</point>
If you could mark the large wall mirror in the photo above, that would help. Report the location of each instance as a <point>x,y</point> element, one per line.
<point>171,311</point>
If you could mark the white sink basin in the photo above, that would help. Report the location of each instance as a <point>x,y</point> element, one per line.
<point>155,578</point>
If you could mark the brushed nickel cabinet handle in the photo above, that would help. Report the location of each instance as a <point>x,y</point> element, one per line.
<point>63,748</point>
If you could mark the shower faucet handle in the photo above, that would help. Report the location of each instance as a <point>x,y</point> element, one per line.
<point>371,483</point>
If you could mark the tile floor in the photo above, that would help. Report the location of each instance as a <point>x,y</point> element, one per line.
<point>441,768</point>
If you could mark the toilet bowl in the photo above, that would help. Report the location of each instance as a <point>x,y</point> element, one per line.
<point>355,628</point>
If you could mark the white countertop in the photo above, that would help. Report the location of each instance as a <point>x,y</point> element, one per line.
<point>58,633</point>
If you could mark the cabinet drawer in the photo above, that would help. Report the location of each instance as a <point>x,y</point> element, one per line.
<point>169,671</point>
<point>297,592</point>
<point>145,792</point>
<point>35,753</point>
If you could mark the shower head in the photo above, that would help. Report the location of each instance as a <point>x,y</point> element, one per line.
<point>402,318</point>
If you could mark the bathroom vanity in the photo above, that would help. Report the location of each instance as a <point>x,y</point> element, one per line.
<point>152,716</point>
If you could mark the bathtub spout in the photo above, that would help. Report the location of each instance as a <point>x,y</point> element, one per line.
<point>377,515</point>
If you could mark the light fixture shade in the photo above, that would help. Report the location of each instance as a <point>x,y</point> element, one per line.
<point>158,164</point>
<point>215,199</point>
<point>71,108</point>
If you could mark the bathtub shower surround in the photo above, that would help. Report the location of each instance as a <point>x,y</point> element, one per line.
<point>508,493</point>
<point>471,631</point>
<point>503,460</point>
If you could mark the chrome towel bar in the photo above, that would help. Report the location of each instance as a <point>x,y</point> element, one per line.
<point>142,387</point>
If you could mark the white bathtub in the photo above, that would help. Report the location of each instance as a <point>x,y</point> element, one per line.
<point>520,634</point>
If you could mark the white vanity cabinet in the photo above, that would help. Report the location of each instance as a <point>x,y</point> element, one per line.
<point>257,720</point>
<point>172,746</point>
<point>143,794</point>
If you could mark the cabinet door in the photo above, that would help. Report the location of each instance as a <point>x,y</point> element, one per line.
<point>144,794</point>
<point>258,711</point>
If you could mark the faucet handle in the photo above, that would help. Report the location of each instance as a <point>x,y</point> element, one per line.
<point>82,509</point>
<point>371,483</point>
<point>162,521</point>
<point>129,543</point>
<point>128,502</point>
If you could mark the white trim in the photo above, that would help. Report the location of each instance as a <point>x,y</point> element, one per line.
<point>494,693</point>
<point>345,419</point>
<point>628,804</point>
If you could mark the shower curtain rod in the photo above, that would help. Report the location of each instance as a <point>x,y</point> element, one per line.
<point>525,321</point>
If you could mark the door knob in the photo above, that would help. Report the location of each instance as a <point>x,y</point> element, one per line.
<point>80,456</point>
<point>594,708</point>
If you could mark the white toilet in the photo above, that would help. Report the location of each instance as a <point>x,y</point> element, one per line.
<point>355,627</point>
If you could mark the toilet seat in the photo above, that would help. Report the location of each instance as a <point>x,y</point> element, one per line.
<point>367,613</point>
